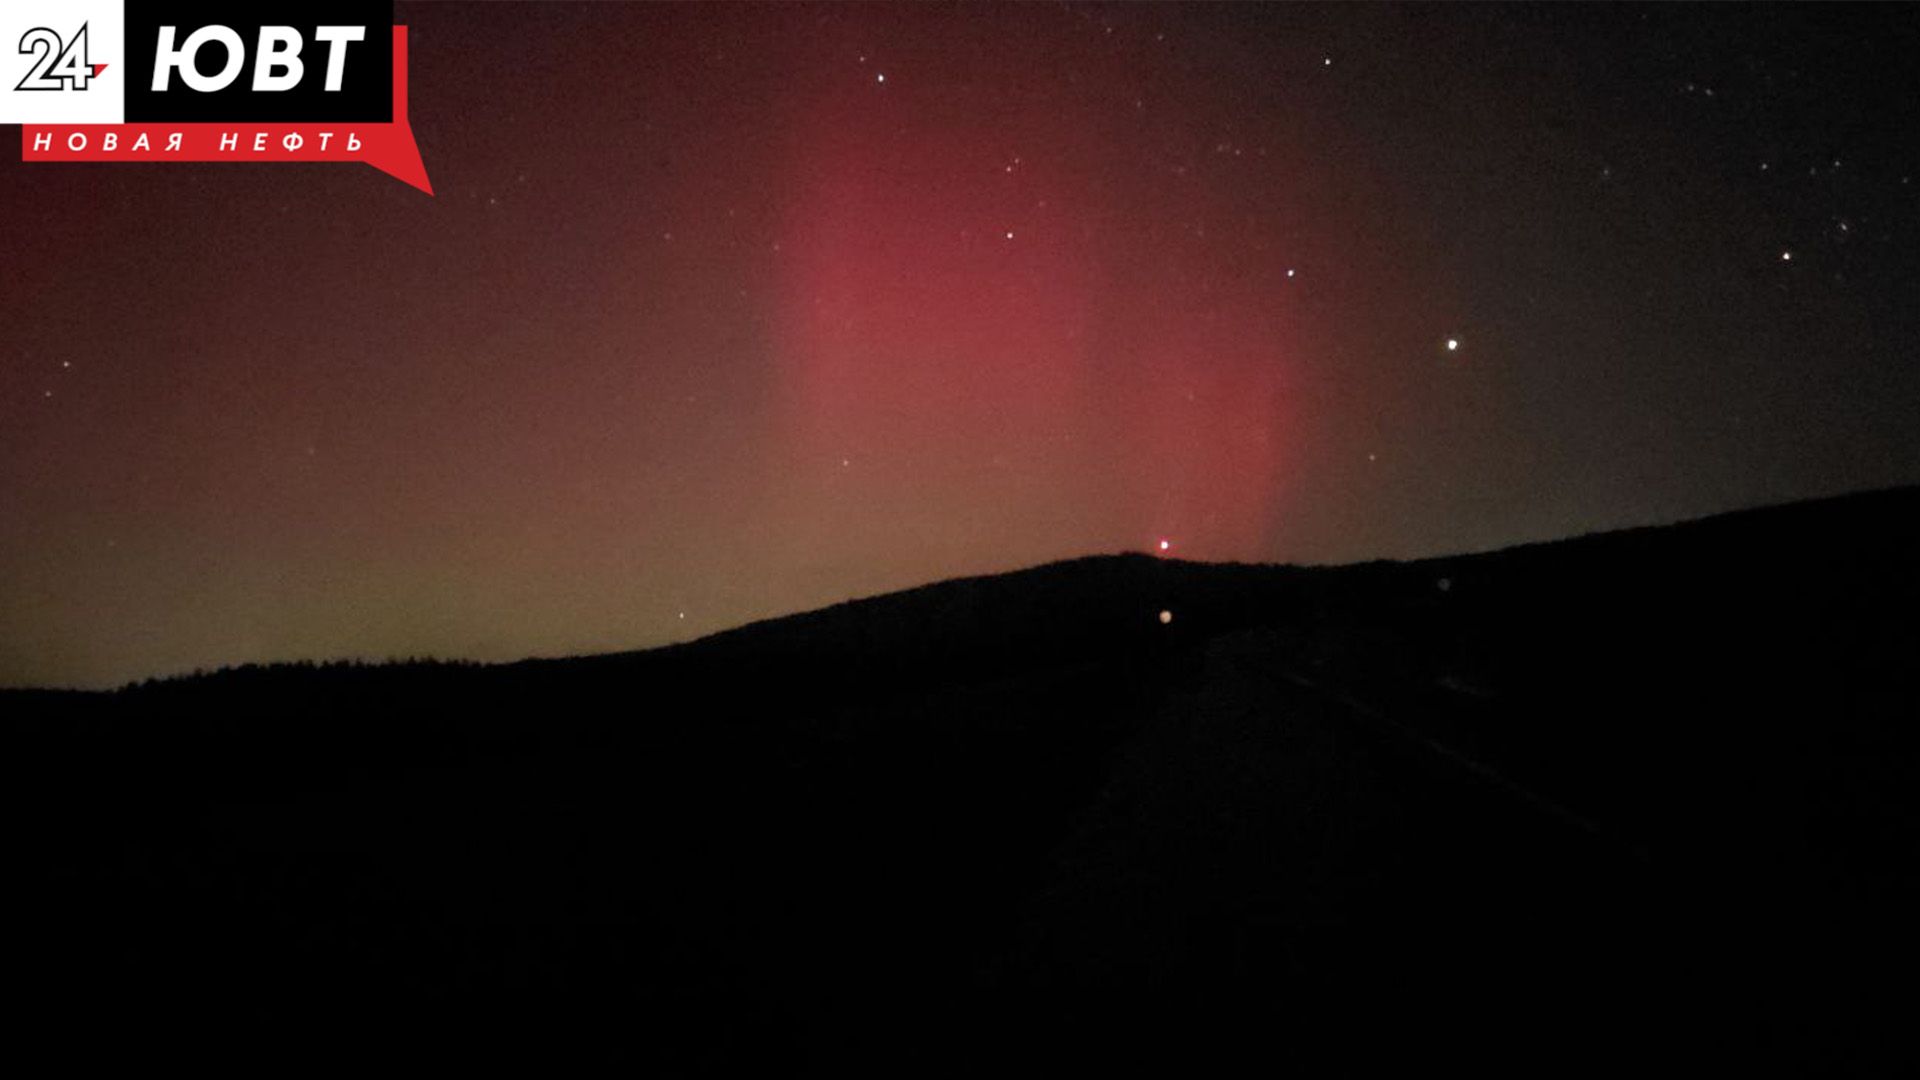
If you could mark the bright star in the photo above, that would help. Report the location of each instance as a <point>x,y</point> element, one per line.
<point>1453,344</point>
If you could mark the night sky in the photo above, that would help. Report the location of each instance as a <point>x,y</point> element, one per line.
<point>724,312</point>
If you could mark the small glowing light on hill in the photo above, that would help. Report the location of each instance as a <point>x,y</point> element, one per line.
<point>1165,617</point>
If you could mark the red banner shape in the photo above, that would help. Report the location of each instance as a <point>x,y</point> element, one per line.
<point>387,147</point>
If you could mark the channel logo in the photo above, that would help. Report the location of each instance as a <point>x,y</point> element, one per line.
<point>57,64</point>
<point>147,81</point>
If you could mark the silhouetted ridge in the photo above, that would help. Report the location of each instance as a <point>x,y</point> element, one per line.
<point>1645,795</point>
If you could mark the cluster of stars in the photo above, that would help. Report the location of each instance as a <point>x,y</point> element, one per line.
<point>1825,164</point>
<point>65,365</point>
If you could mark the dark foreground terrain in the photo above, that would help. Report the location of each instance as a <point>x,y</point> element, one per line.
<point>1647,801</point>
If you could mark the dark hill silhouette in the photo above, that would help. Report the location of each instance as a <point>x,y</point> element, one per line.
<point>1643,798</point>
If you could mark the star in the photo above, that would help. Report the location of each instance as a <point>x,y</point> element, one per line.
<point>1453,344</point>
<point>879,77</point>
<point>1165,617</point>
<point>1786,256</point>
